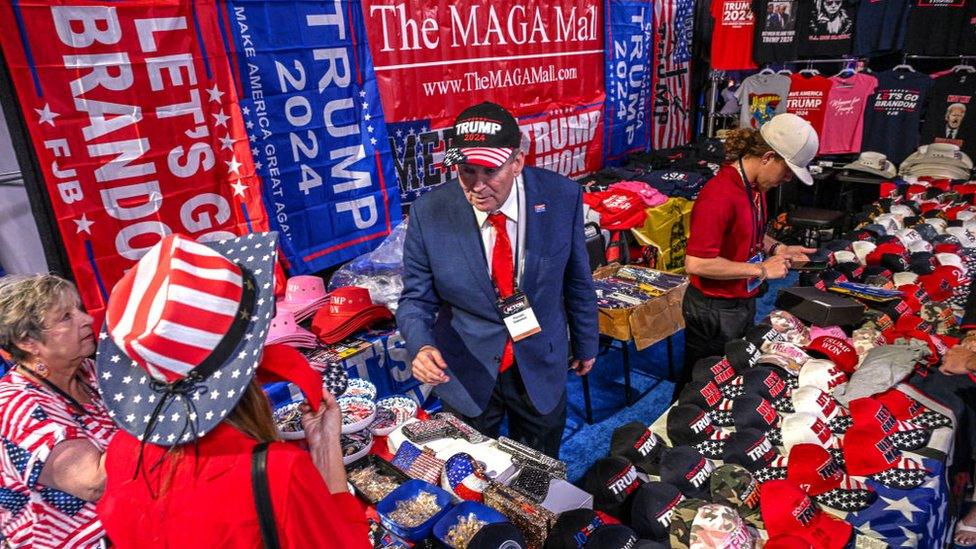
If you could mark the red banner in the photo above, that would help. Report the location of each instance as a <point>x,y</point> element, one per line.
<point>134,118</point>
<point>541,60</point>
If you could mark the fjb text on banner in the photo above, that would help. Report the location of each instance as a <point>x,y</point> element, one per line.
<point>671,116</point>
<point>317,131</point>
<point>629,45</point>
<point>541,60</point>
<point>134,118</point>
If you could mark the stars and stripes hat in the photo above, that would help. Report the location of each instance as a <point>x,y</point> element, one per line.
<point>485,135</point>
<point>184,333</point>
<point>464,477</point>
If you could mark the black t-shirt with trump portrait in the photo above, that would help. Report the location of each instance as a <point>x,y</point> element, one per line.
<point>950,113</point>
<point>826,27</point>
<point>775,38</point>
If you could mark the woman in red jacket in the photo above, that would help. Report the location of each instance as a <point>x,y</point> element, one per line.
<point>185,332</point>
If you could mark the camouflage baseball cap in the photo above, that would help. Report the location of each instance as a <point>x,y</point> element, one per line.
<point>684,516</point>
<point>734,485</point>
<point>720,526</point>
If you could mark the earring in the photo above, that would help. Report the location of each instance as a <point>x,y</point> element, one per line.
<point>41,369</point>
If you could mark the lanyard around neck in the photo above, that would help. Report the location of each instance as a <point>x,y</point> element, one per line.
<point>79,407</point>
<point>758,211</point>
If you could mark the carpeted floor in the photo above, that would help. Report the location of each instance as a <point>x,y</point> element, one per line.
<point>583,444</point>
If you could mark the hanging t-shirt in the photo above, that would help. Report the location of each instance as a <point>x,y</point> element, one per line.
<point>967,36</point>
<point>892,119</point>
<point>732,35</point>
<point>880,26</point>
<point>950,112</point>
<point>826,27</point>
<point>775,37</point>
<point>762,96</point>
<point>808,98</point>
<point>935,26</point>
<point>844,118</point>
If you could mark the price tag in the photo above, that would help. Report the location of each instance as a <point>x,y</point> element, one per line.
<point>518,316</point>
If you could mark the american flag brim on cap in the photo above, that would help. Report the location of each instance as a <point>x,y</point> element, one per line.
<point>132,395</point>
<point>489,157</point>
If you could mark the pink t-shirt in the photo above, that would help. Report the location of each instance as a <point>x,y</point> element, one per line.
<point>844,118</point>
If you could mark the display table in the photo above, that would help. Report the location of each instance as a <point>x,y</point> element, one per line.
<point>899,518</point>
<point>379,356</point>
<point>657,319</point>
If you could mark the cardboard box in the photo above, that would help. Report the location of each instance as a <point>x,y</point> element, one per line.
<point>646,323</point>
<point>820,308</point>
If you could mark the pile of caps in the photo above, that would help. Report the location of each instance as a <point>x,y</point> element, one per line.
<point>335,315</point>
<point>791,420</point>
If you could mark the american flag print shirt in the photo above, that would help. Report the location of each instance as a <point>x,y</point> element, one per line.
<point>33,420</point>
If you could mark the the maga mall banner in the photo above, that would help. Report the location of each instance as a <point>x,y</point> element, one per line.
<point>542,60</point>
<point>135,122</point>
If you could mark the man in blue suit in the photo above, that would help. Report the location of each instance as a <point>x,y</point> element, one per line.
<point>479,247</point>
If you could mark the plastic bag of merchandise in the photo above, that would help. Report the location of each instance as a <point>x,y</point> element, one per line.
<point>380,271</point>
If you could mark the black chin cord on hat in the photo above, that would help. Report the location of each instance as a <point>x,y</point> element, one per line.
<point>186,388</point>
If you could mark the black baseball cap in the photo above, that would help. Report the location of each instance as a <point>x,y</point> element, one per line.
<point>638,444</point>
<point>485,134</point>
<point>762,333</point>
<point>922,263</point>
<point>612,536</point>
<point>497,535</point>
<point>692,426</point>
<point>741,354</point>
<point>653,505</point>
<point>613,482</point>
<point>689,471</point>
<point>713,368</point>
<point>750,448</point>
<point>573,528</point>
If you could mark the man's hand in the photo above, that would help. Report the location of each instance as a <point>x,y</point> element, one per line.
<point>582,366</point>
<point>958,361</point>
<point>777,266</point>
<point>428,366</point>
<point>796,253</point>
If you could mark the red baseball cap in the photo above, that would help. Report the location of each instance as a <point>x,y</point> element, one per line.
<point>943,281</point>
<point>786,509</point>
<point>868,451</point>
<point>788,541</point>
<point>814,470</point>
<point>900,405</point>
<point>836,350</point>
<point>914,296</point>
<point>349,310</point>
<point>870,411</point>
<point>283,363</point>
<point>946,247</point>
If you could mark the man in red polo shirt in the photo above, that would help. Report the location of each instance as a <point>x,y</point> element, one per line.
<point>729,255</point>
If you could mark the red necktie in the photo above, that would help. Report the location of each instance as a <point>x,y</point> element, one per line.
<point>503,275</point>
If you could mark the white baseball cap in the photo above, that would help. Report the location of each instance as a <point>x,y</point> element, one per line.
<point>861,249</point>
<point>822,374</point>
<point>795,140</point>
<point>807,428</point>
<point>900,279</point>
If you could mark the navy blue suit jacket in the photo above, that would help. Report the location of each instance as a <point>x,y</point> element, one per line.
<point>448,298</point>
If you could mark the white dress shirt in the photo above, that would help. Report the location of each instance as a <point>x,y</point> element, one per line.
<point>514,210</point>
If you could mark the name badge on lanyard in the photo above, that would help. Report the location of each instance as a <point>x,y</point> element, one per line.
<point>518,316</point>
<point>758,211</point>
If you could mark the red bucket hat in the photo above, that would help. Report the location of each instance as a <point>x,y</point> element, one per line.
<point>349,310</point>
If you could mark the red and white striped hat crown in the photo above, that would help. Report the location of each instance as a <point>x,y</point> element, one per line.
<point>172,310</point>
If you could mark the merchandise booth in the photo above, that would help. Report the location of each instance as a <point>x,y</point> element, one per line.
<point>827,424</point>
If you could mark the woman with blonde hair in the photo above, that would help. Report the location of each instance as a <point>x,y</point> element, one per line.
<point>54,427</point>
